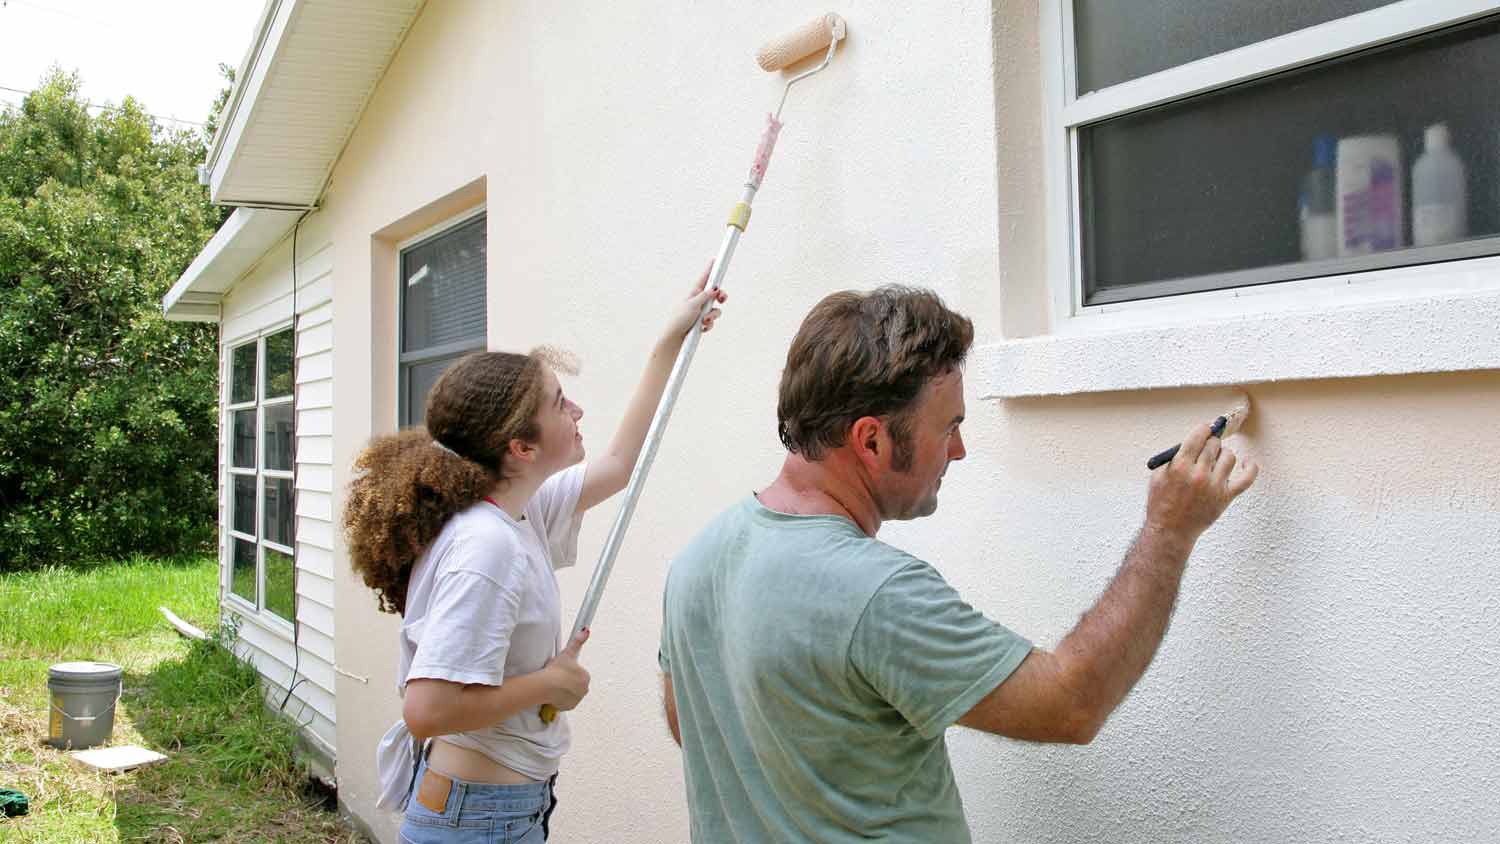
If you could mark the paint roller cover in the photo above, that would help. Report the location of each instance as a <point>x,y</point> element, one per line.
<point>812,37</point>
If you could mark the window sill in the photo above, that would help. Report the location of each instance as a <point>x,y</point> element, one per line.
<point>1434,333</point>
<point>275,625</point>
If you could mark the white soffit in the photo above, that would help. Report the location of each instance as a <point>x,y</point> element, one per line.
<point>238,245</point>
<point>299,92</point>
<point>311,69</point>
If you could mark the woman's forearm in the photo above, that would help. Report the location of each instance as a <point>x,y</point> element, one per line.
<point>439,708</point>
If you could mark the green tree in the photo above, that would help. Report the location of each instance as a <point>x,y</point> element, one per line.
<point>107,411</point>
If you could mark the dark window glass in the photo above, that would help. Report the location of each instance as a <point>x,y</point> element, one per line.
<point>242,503</point>
<point>279,364</point>
<point>242,374</point>
<point>278,511</point>
<point>1120,40</point>
<point>242,439</point>
<point>278,453</point>
<point>1279,179</point>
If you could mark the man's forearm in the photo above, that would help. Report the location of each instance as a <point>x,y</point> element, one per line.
<point>1114,642</point>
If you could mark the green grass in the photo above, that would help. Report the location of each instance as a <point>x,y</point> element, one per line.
<point>230,777</point>
<point>55,610</point>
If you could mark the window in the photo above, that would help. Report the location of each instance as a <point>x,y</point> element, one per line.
<point>1222,144</point>
<point>260,418</point>
<point>442,310</point>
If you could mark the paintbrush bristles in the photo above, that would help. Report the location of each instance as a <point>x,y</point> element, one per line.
<point>1236,415</point>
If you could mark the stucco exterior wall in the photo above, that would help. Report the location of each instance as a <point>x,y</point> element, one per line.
<point>1329,672</point>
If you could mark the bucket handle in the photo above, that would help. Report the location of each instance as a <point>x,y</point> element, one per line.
<point>86,719</point>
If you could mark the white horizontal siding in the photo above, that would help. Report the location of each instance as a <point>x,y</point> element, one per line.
<point>315,504</point>
<point>318,561</point>
<point>276,644</point>
<point>315,394</point>
<point>317,421</point>
<point>314,613</point>
<point>315,532</point>
<point>314,298</point>
<point>315,367</point>
<point>317,338</point>
<point>318,450</point>
<point>318,643</point>
<point>314,586</point>
<point>316,312</point>
<point>262,300</point>
<point>270,651</point>
<point>315,477</point>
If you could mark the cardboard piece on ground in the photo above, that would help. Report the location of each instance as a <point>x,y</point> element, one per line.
<point>114,759</point>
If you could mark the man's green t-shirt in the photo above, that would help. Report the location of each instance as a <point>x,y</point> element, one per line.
<point>815,670</point>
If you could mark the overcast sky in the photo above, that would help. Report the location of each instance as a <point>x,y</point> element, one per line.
<point>165,53</point>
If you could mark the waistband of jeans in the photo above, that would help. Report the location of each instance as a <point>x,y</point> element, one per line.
<point>519,797</point>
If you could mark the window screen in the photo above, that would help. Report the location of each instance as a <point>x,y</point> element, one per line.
<point>442,310</point>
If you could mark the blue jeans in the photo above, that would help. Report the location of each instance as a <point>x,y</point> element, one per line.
<point>475,813</point>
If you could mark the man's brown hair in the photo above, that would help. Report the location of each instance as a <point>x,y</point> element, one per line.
<point>866,354</point>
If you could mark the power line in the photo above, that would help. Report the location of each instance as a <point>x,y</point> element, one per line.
<point>87,104</point>
<point>67,13</point>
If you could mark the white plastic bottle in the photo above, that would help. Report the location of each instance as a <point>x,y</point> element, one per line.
<point>1440,203</point>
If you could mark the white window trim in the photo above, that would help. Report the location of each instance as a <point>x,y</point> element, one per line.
<point>230,600</point>
<point>1136,345</point>
<point>426,234</point>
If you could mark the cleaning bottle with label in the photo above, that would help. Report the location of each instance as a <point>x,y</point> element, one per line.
<point>1316,207</point>
<point>1371,202</point>
<point>1439,196</point>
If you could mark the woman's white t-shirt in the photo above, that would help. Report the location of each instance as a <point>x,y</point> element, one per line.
<point>482,604</point>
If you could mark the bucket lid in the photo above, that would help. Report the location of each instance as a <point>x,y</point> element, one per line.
<point>84,671</point>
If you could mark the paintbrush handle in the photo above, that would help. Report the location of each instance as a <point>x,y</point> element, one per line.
<point>1165,457</point>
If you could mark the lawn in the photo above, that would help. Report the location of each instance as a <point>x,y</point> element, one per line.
<point>231,776</point>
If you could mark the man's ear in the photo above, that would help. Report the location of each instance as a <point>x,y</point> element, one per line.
<point>867,438</point>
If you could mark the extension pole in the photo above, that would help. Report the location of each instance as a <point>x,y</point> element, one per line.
<point>739,218</point>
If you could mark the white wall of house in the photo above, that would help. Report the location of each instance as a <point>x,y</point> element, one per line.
<point>261,301</point>
<point>1330,669</point>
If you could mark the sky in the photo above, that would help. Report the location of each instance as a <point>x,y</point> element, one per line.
<point>165,53</point>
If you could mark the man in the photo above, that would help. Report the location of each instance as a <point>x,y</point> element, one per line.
<point>811,670</point>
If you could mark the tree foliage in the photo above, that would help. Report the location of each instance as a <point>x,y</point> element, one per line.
<point>107,411</point>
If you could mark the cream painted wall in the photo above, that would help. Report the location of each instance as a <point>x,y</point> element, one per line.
<point>1332,666</point>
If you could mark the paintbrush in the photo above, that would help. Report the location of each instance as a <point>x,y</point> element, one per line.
<point>1222,427</point>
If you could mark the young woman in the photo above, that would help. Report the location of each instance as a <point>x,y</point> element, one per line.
<point>458,526</point>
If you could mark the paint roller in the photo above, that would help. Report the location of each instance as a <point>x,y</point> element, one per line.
<point>1224,426</point>
<point>820,34</point>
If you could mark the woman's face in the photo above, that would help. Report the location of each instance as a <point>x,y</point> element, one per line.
<point>560,443</point>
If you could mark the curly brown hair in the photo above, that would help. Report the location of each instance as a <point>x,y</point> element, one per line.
<point>863,354</point>
<point>408,485</point>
